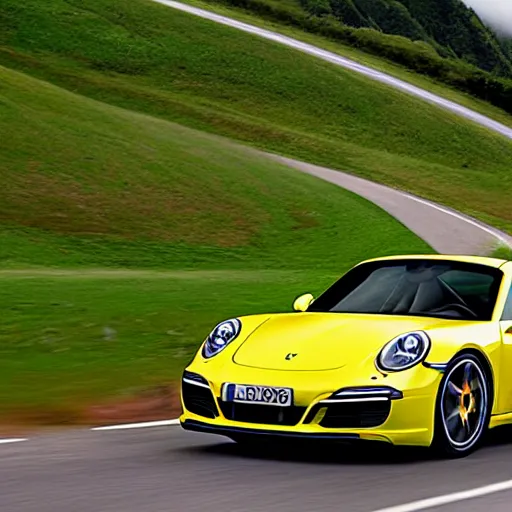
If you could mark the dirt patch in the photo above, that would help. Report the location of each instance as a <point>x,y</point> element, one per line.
<point>161,403</point>
<point>104,205</point>
<point>158,403</point>
<point>304,219</point>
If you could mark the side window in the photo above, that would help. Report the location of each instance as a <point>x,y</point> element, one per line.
<point>469,284</point>
<point>507,312</point>
<point>475,289</point>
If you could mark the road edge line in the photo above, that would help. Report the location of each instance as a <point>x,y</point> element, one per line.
<point>12,440</point>
<point>145,424</point>
<point>446,499</point>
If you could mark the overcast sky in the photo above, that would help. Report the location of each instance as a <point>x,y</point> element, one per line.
<point>497,13</point>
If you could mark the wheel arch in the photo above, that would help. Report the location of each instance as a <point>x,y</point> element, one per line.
<point>439,441</point>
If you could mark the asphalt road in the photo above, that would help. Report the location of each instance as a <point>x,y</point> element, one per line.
<point>445,230</point>
<point>168,469</point>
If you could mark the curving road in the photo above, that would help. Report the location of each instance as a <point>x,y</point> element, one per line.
<point>166,469</point>
<point>338,60</point>
<point>445,230</point>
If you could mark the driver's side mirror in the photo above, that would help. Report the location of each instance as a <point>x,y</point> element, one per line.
<point>303,302</point>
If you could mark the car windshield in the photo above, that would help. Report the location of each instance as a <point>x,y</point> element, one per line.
<point>414,287</point>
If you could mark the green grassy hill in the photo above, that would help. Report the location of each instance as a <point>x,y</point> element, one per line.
<point>153,59</point>
<point>90,184</point>
<point>392,32</point>
<point>92,195</point>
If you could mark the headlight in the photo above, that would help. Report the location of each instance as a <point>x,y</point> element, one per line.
<point>404,352</point>
<point>221,336</point>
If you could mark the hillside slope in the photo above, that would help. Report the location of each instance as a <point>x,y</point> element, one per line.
<point>153,59</point>
<point>85,184</point>
<point>425,57</point>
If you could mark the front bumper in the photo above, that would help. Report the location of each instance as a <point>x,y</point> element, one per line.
<point>409,419</point>
<point>208,428</point>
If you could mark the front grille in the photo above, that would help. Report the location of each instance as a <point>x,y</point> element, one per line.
<point>199,400</point>
<point>352,414</point>
<point>356,414</point>
<point>262,414</point>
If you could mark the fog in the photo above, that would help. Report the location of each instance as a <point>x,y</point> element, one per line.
<point>496,13</point>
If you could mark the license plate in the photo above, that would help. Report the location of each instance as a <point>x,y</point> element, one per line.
<point>249,394</point>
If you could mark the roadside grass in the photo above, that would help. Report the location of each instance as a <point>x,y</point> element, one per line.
<point>358,55</point>
<point>503,252</point>
<point>124,239</point>
<point>88,184</point>
<point>75,339</point>
<point>153,59</point>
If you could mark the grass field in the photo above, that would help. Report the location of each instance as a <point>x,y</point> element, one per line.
<point>124,239</point>
<point>82,337</point>
<point>152,59</point>
<point>90,184</point>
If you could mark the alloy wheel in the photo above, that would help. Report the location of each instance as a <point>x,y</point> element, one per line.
<point>464,404</point>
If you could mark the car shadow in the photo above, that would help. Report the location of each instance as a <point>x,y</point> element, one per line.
<point>499,436</point>
<point>358,453</point>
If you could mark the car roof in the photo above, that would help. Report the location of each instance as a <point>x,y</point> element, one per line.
<point>480,260</point>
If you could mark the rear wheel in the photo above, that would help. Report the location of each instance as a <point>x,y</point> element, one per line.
<point>463,407</point>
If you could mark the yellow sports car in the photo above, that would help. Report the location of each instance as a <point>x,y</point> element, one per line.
<point>410,350</point>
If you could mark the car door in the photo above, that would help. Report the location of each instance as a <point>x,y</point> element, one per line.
<point>506,363</point>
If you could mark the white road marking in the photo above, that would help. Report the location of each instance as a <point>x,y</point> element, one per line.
<point>495,233</point>
<point>360,185</point>
<point>12,440</point>
<point>450,498</point>
<point>146,424</point>
<point>347,64</point>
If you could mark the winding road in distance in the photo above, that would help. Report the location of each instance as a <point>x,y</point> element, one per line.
<point>444,229</point>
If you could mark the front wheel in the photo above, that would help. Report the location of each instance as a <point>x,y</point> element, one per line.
<point>463,407</point>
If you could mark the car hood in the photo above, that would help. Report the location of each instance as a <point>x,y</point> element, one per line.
<point>323,341</point>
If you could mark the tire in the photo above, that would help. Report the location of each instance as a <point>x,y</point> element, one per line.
<point>463,408</point>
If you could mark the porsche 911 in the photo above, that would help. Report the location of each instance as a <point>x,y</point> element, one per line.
<point>408,350</point>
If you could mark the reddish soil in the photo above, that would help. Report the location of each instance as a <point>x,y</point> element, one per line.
<point>158,403</point>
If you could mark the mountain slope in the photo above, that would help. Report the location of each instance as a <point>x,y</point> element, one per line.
<point>448,25</point>
<point>363,44</point>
